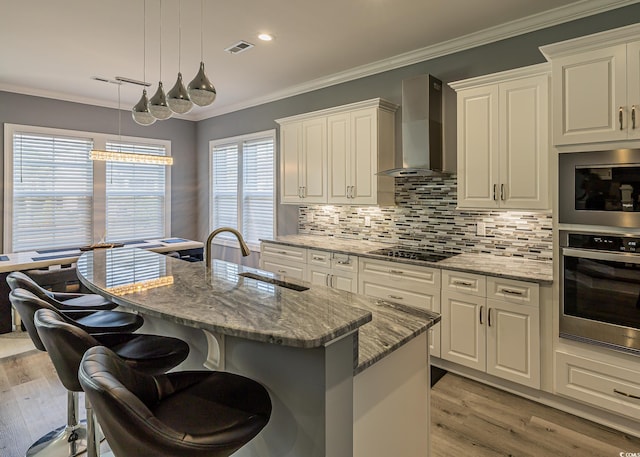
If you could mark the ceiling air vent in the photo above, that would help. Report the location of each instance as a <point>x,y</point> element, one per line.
<point>239,47</point>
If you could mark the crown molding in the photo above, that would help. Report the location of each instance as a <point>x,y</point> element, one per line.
<point>560,15</point>
<point>503,76</point>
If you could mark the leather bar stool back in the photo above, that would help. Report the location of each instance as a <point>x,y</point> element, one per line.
<point>68,439</point>
<point>178,414</point>
<point>60,300</point>
<point>67,343</point>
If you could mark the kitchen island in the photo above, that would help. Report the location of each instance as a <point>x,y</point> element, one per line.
<point>347,374</point>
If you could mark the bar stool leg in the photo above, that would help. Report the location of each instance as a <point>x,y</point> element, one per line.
<point>67,441</point>
<point>93,444</point>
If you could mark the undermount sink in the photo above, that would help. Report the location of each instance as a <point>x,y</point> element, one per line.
<point>277,282</point>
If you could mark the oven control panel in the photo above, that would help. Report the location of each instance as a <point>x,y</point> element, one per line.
<point>612,243</point>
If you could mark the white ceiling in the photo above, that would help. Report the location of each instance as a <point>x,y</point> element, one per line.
<point>52,48</point>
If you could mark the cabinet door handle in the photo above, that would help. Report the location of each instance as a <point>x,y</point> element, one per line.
<point>331,280</point>
<point>489,317</point>
<point>481,309</point>
<point>494,192</point>
<point>502,192</point>
<point>326,280</point>
<point>624,394</point>
<point>513,292</point>
<point>349,192</point>
<point>462,283</point>
<point>304,192</point>
<point>633,117</point>
<point>395,297</point>
<point>353,191</point>
<point>620,117</point>
<point>397,272</point>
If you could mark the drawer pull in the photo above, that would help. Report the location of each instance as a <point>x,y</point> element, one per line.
<point>395,297</point>
<point>513,292</point>
<point>462,283</point>
<point>317,257</point>
<point>396,272</point>
<point>282,252</point>
<point>282,271</point>
<point>624,394</point>
<point>344,262</point>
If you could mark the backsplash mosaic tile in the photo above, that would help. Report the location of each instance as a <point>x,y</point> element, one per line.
<point>425,216</point>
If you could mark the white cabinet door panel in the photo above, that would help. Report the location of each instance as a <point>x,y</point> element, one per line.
<point>633,88</point>
<point>463,336</point>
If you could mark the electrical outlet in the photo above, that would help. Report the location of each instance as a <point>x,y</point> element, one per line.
<point>367,221</point>
<point>336,219</point>
<point>309,217</point>
<point>481,229</point>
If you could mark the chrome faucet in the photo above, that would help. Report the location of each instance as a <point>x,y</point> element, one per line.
<point>243,246</point>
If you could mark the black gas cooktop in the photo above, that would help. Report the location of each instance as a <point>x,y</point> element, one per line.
<point>404,252</point>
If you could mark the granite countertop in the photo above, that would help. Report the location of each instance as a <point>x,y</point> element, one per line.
<point>487,264</point>
<point>219,300</point>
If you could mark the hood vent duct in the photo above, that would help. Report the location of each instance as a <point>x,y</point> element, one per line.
<point>422,151</point>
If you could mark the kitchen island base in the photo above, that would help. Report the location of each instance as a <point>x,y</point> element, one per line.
<point>319,407</point>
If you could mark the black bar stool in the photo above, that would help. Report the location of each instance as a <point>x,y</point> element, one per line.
<point>61,300</point>
<point>70,438</point>
<point>179,414</point>
<point>67,343</point>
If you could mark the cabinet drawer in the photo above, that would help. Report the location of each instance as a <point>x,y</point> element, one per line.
<point>295,271</point>
<point>428,301</point>
<point>466,283</point>
<point>319,258</point>
<point>601,384</point>
<point>284,253</point>
<point>525,293</point>
<point>344,263</point>
<point>399,276</point>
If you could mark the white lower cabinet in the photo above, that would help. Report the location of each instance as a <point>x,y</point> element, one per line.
<point>288,261</point>
<point>599,383</point>
<point>406,284</point>
<point>492,325</point>
<point>332,269</point>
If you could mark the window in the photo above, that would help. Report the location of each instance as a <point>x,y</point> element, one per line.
<point>56,197</point>
<point>135,196</point>
<point>52,191</point>
<point>242,187</point>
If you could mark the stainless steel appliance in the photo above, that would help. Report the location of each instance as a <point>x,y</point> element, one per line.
<point>426,255</point>
<point>600,289</point>
<point>600,188</point>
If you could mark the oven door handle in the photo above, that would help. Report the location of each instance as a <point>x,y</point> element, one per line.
<point>599,255</point>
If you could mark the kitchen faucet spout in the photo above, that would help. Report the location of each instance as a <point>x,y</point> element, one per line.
<point>243,246</point>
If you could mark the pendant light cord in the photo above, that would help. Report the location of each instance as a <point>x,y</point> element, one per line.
<point>201,30</point>
<point>160,79</point>
<point>179,34</point>
<point>144,42</point>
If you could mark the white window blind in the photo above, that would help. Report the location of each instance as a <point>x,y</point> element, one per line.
<point>258,185</point>
<point>242,186</point>
<point>224,182</point>
<point>135,195</point>
<point>52,191</point>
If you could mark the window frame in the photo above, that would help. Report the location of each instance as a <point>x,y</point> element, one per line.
<point>99,176</point>
<point>239,140</point>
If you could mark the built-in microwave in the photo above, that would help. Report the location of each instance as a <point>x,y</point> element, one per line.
<point>600,188</point>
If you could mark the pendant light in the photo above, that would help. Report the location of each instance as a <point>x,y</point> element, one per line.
<point>178,97</point>
<point>140,112</point>
<point>158,103</point>
<point>201,90</point>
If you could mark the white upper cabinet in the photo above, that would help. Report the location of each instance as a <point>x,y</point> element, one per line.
<point>303,154</point>
<point>337,154</point>
<point>503,140</point>
<point>596,87</point>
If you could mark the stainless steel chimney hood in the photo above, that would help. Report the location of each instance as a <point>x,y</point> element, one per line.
<point>422,152</point>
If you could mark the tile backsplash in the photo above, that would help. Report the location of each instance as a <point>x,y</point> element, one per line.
<point>425,216</point>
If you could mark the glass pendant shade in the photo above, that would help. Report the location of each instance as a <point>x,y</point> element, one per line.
<point>178,98</point>
<point>158,104</point>
<point>140,112</point>
<point>201,90</point>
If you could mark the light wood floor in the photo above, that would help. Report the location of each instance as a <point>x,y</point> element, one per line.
<point>468,419</point>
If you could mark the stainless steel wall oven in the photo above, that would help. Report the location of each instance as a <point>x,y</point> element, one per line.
<point>600,289</point>
<point>600,188</point>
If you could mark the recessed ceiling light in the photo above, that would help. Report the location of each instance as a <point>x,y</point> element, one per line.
<point>265,37</point>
